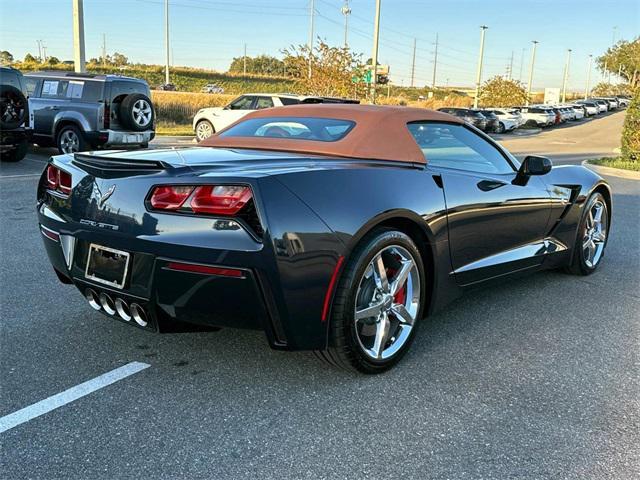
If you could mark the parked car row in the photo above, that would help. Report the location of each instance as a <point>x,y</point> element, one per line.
<point>500,120</point>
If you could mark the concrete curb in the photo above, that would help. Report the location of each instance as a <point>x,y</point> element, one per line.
<point>614,172</point>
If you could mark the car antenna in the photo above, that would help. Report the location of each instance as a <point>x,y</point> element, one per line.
<point>184,162</point>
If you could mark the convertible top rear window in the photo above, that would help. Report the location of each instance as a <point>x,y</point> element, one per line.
<point>294,128</point>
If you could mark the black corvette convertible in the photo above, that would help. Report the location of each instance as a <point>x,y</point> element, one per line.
<point>333,228</point>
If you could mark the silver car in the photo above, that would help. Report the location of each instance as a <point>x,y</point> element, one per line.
<point>79,111</point>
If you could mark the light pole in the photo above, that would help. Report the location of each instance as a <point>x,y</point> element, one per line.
<point>566,76</point>
<point>413,63</point>
<point>533,61</point>
<point>435,64</point>
<point>346,11</point>
<point>312,11</point>
<point>588,87</point>
<point>166,40</point>
<point>483,28</point>
<point>374,53</point>
<point>78,36</point>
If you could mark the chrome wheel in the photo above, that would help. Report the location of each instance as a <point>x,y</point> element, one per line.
<point>204,130</point>
<point>69,142</point>
<point>387,302</point>
<point>595,234</point>
<point>141,113</point>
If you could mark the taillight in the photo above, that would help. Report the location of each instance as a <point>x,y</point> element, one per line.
<point>220,199</point>
<point>223,200</point>
<point>169,197</point>
<point>58,180</point>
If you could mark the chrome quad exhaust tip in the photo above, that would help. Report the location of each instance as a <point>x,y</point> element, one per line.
<point>138,314</point>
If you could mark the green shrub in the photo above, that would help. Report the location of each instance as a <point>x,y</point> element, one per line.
<point>631,130</point>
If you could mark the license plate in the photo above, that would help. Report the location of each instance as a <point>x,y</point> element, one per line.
<point>132,138</point>
<point>107,265</point>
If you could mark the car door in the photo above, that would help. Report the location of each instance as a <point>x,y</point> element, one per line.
<point>50,101</point>
<point>496,226</point>
<point>237,109</point>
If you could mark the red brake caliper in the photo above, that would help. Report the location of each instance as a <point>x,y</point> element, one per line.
<point>401,296</point>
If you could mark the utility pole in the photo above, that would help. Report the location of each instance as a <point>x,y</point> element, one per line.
<point>374,53</point>
<point>521,64</point>
<point>244,61</point>
<point>511,67</point>
<point>346,11</point>
<point>435,64</point>
<point>483,28</point>
<point>613,42</point>
<point>39,51</point>
<point>44,52</point>
<point>78,36</point>
<point>104,50</point>
<point>566,76</point>
<point>533,60</point>
<point>312,11</point>
<point>413,63</point>
<point>166,40</point>
<point>588,87</point>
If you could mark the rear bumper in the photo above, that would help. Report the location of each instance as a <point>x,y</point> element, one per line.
<point>110,138</point>
<point>171,299</point>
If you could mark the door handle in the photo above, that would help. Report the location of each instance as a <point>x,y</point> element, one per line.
<point>53,108</point>
<point>488,185</point>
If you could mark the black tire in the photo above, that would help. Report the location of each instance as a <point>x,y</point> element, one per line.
<point>501,128</point>
<point>579,264</point>
<point>17,153</point>
<point>201,127</point>
<point>345,351</point>
<point>136,112</point>
<point>67,132</point>
<point>14,108</point>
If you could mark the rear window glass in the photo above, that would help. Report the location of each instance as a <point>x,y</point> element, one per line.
<point>120,87</point>
<point>297,128</point>
<point>289,101</point>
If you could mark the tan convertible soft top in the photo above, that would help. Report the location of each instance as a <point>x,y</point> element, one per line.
<point>380,132</point>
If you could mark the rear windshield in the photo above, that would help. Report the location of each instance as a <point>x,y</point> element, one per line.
<point>297,128</point>
<point>124,87</point>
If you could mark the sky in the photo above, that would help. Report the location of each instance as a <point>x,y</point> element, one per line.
<point>209,33</point>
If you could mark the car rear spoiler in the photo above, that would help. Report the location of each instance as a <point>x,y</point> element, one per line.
<point>108,165</point>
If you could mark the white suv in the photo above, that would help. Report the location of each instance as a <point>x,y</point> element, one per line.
<point>211,120</point>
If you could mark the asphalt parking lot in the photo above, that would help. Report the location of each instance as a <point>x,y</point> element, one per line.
<point>536,378</point>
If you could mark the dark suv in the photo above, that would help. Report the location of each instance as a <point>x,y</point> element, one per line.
<point>81,111</point>
<point>474,117</point>
<point>14,115</point>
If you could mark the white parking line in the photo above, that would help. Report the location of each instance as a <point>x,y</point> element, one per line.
<point>74,393</point>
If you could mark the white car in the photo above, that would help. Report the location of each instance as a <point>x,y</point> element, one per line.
<point>579,111</point>
<point>591,107</point>
<point>538,116</point>
<point>211,120</point>
<point>510,119</point>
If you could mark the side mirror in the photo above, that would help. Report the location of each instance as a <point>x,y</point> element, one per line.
<point>532,165</point>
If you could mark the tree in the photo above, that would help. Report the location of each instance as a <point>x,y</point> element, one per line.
<point>623,57</point>
<point>631,130</point>
<point>332,73</point>
<point>260,65</point>
<point>118,59</point>
<point>53,60</point>
<point>609,89</point>
<point>28,58</point>
<point>501,92</point>
<point>6,57</point>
